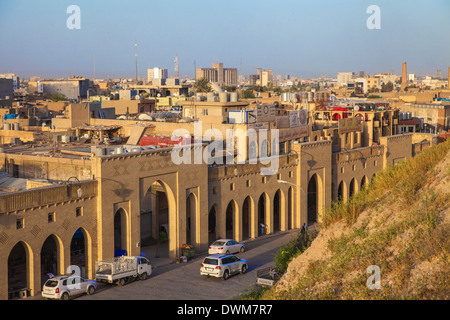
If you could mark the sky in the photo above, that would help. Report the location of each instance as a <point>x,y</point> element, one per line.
<point>295,37</point>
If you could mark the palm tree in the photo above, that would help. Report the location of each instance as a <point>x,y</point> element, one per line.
<point>202,85</point>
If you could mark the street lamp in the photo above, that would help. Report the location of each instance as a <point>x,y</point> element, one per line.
<point>292,184</point>
<point>79,190</point>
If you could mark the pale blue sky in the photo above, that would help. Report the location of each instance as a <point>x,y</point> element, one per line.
<point>296,37</point>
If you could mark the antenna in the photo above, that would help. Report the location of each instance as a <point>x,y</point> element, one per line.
<point>136,54</point>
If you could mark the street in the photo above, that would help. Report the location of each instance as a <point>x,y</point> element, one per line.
<point>183,281</point>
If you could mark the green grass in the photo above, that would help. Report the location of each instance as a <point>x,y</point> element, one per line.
<point>400,247</point>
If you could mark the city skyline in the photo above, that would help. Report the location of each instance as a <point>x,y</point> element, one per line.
<point>299,38</point>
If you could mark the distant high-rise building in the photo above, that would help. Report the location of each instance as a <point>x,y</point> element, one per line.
<point>254,79</point>
<point>267,78</point>
<point>176,73</point>
<point>15,79</point>
<point>157,73</point>
<point>218,74</point>
<point>6,88</point>
<point>343,78</point>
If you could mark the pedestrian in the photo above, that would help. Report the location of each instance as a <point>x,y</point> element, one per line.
<point>303,230</point>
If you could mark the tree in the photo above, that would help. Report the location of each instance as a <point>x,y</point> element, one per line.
<point>388,87</point>
<point>57,96</point>
<point>202,85</point>
<point>247,94</point>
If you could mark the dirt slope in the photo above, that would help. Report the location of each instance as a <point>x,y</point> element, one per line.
<point>409,242</point>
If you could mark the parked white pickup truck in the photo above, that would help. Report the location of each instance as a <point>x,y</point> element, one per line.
<point>123,269</point>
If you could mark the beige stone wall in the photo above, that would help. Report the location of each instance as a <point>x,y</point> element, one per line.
<point>34,206</point>
<point>124,182</point>
<point>360,164</point>
<point>41,167</point>
<point>398,148</point>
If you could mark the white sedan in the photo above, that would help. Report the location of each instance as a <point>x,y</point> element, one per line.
<point>226,246</point>
<point>63,287</point>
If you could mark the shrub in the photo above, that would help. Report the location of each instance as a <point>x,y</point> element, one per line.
<point>289,251</point>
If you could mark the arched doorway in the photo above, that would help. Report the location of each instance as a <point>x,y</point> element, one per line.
<point>49,258</point>
<point>154,221</point>
<point>352,188</point>
<point>333,191</point>
<point>79,251</point>
<point>229,220</point>
<point>263,202</point>
<point>246,218</point>
<point>120,233</point>
<point>18,268</point>
<point>312,200</point>
<point>212,224</point>
<point>340,195</point>
<point>291,208</point>
<point>364,182</point>
<point>191,208</point>
<point>276,211</point>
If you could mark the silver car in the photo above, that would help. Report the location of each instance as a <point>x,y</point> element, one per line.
<point>226,246</point>
<point>64,287</point>
<point>223,266</point>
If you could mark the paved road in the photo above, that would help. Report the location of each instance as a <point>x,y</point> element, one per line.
<point>183,281</point>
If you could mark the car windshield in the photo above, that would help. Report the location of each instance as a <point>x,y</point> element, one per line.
<point>218,243</point>
<point>210,261</point>
<point>51,283</point>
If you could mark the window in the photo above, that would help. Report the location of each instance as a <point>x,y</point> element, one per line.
<point>291,174</point>
<point>249,183</point>
<point>211,261</point>
<point>51,217</point>
<point>79,212</point>
<point>264,180</point>
<point>231,186</point>
<point>20,224</point>
<point>205,112</point>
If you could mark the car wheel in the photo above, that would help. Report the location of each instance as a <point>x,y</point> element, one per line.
<point>122,282</point>
<point>91,290</point>
<point>65,296</point>
<point>226,275</point>
<point>242,249</point>
<point>144,276</point>
<point>244,269</point>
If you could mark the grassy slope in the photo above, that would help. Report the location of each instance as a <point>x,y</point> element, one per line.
<point>400,223</point>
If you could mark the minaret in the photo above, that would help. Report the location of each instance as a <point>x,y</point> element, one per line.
<point>404,77</point>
